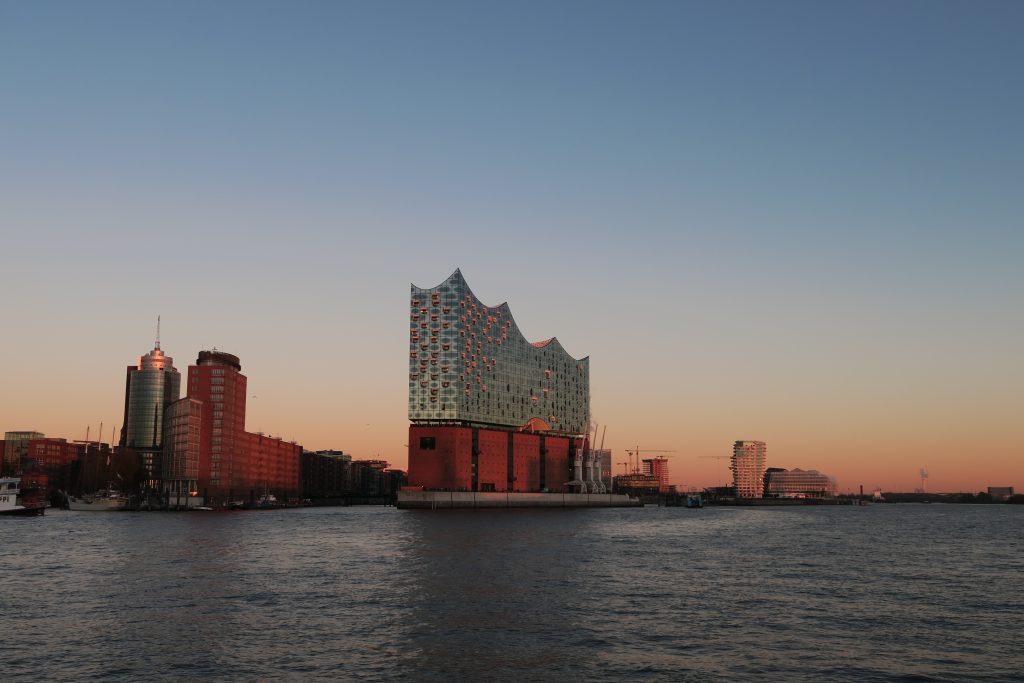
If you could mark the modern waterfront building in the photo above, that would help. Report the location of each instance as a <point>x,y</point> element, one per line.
<point>658,468</point>
<point>326,474</point>
<point>491,411</point>
<point>150,386</point>
<point>217,382</point>
<point>210,457</point>
<point>797,483</point>
<point>768,472</point>
<point>470,364</point>
<point>376,479</point>
<point>182,427</point>
<point>748,460</point>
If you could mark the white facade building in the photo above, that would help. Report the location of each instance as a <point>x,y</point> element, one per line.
<point>747,467</point>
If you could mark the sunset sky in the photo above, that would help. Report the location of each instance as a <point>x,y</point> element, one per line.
<point>797,222</point>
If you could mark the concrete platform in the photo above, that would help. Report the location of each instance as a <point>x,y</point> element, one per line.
<point>433,500</point>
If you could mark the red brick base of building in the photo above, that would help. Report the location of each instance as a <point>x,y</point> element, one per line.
<point>457,458</point>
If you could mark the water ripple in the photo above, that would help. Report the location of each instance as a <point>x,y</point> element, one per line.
<point>886,593</point>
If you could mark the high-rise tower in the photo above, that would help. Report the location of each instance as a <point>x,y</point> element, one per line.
<point>209,457</point>
<point>658,467</point>
<point>150,386</point>
<point>748,459</point>
<point>216,380</point>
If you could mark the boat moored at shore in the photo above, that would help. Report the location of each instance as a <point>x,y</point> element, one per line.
<point>9,499</point>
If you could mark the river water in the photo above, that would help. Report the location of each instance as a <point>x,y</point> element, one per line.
<point>883,593</point>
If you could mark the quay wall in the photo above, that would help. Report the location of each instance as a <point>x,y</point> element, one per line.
<point>469,499</point>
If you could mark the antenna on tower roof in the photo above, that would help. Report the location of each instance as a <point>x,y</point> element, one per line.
<point>158,332</point>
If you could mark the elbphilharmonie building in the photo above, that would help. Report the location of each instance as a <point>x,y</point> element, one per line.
<point>470,364</point>
<point>490,410</point>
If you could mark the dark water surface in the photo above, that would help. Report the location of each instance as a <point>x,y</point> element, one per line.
<point>888,592</point>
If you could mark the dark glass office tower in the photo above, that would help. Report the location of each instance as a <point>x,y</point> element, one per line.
<point>151,386</point>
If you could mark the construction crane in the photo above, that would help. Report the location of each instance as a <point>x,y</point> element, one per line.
<point>636,453</point>
<point>625,467</point>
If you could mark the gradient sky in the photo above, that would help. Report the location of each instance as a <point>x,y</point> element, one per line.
<point>799,222</point>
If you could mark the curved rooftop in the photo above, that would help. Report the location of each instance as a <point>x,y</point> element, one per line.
<point>216,357</point>
<point>458,280</point>
<point>470,363</point>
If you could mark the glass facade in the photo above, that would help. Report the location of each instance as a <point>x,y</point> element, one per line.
<point>181,446</point>
<point>469,363</point>
<point>151,388</point>
<point>798,483</point>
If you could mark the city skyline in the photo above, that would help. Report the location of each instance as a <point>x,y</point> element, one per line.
<point>793,224</point>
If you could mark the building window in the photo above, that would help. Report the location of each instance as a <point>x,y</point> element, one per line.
<point>428,443</point>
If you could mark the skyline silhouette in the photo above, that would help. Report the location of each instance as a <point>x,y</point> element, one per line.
<point>793,223</point>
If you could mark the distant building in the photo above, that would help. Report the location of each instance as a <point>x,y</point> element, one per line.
<point>748,459</point>
<point>797,483</point>
<point>272,466</point>
<point>396,479</point>
<point>52,461</point>
<point>150,386</point>
<point>768,472</point>
<point>638,484</point>
<point>374,479</point>
<point>604,461</point>
<point>658,467</point>
<point>326,474</point>
<point>1000,492</point>
<point>491,411</point>
<point>16,449</point>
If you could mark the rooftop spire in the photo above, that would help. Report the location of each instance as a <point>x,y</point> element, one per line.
<point>158,332</point>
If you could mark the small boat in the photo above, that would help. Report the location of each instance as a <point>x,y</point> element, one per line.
<point>234,505</point>
<point>267,500</point>
<point>694,501</point>
<point>9,503</point>
<point>107,500</point>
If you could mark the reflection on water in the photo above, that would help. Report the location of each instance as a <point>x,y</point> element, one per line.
<point>843,593</point>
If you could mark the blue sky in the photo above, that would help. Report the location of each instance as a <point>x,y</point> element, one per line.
<point>818,201</point>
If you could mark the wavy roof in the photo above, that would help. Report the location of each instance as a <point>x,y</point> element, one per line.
<point>457,279</point>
